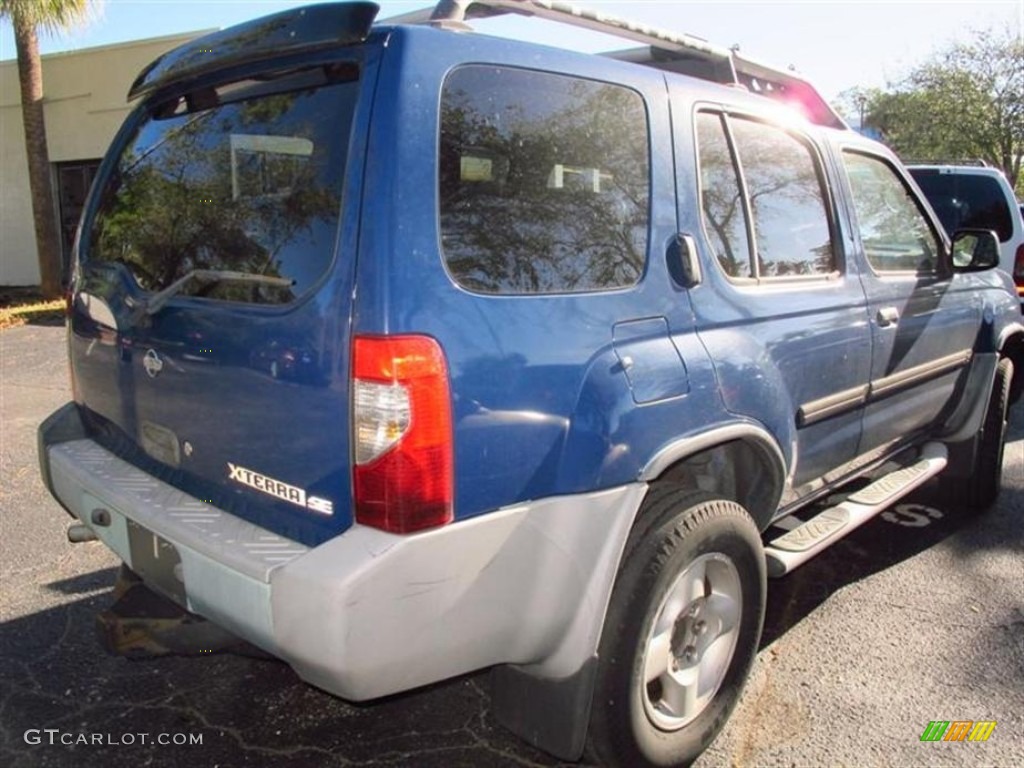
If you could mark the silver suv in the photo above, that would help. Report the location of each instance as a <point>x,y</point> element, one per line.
<point>979,197</point>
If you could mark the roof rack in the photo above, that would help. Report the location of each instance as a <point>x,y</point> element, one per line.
<point>976,161</point>
<point>668,51</point>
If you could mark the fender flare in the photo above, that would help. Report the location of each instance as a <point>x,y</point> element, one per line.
<point>749,433</point>
<point>551,709</point>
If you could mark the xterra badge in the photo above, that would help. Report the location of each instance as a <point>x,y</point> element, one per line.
<point>276,488</point>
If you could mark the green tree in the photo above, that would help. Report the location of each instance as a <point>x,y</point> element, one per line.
<point>27,17</point>
<point>967,102</point>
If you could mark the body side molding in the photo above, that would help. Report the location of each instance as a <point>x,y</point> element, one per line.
<point>889,385</point>
<point>855,397</point>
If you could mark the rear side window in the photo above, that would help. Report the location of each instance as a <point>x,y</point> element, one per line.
<point>785,198</point>
<point>966,200</point>
<point>544,182</point>
<point>248,186</point>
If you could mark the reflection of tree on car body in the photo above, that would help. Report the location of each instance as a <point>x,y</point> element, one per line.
<point>284,361</point>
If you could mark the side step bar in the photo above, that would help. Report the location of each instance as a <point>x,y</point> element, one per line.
<point>799,545</point>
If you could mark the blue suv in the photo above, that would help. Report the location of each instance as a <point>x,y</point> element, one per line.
<point>401,351</point>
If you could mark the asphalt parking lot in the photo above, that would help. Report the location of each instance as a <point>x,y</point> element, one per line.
<point>918,616</point>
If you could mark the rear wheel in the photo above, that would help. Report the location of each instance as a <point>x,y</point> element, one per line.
<point>681,633</point>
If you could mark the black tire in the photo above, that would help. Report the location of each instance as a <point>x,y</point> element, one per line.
<point>680,533</point>
<point>980,490</point>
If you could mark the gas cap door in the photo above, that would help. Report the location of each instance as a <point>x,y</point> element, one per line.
<point>649,360</point>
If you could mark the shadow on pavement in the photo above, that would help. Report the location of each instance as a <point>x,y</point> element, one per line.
<point>914,525</point>
<point>246,711</point>
<point>84,583</point>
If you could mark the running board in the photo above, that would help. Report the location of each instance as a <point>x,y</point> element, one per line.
<point>799,545</point>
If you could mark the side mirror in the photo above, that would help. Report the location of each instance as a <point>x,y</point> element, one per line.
<point>975,250</point>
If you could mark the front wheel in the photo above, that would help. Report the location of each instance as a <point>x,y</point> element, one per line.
<point>980,489</point>
<point>682,630</point>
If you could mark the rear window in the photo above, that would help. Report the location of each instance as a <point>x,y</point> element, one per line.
<point>544,182</point>
<point>964,200</point>
<point>251,186</point>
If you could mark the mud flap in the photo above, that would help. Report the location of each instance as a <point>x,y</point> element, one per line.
<point>550,714</point>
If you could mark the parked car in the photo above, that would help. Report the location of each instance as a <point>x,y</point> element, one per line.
<point>977,196</point>
<point>594,336</point>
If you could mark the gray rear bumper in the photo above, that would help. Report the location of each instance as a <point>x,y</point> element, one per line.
<point>369,613</point>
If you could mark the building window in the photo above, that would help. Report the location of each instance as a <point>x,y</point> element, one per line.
<point>73,183</point>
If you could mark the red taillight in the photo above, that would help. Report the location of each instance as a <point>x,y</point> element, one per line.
<point>69,298</point>
<point>401,433</point>
<point>1018,267</point>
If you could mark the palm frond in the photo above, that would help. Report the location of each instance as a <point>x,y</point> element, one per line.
<point>52,15</point>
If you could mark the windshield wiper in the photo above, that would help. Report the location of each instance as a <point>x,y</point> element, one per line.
<point>156,302</point>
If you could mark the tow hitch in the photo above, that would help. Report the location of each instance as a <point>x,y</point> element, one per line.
<point>79,533</point>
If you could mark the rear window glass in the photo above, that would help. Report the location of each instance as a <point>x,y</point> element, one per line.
<point>544,182</point>
<point>250,186</point>
<point>963,200</point>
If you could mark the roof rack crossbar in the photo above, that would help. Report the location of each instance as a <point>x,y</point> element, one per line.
<point>723,65</point>
<point>972,161</point>
<point>454,14</point>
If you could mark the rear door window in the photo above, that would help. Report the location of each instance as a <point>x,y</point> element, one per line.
<point>725,215</point>
<point>759,179</point>
<point>544,182</point>
<point>251,185</point>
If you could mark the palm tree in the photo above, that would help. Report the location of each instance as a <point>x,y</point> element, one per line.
<point>26,17</point>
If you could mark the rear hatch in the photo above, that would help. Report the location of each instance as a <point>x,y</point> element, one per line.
<point>211,308</point>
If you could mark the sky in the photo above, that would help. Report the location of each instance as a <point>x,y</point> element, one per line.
<point>837,44</point>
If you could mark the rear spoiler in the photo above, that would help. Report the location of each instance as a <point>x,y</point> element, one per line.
<point>299,30</point>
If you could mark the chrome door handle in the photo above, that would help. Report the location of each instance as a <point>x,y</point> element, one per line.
<point>888,316</point>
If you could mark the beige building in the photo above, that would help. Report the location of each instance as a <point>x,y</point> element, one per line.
<point>85,103</point>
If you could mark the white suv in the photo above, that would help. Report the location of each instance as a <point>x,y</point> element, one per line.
<point>977,196</point>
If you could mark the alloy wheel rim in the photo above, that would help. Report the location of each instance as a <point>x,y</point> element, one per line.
<point>691,642</point>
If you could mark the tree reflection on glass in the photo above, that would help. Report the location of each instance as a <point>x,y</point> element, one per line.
<point>785,194</point>
<point>544,182</point>
<point>249,186</point>
<point>722,199</point>
<point>790,216</point>
<point>895,234</point>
